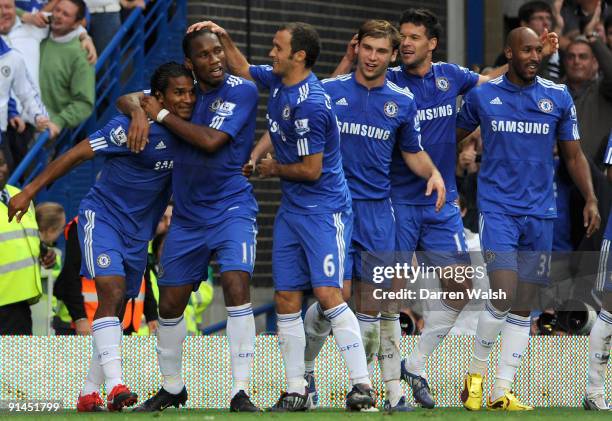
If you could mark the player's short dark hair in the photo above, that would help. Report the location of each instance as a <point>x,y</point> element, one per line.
<point>423,17</point>
<point>80,4</point>
<point>188,39</point>
<point>162,75</point>
<point>528,9</point>
<point>304,37</point>
<point>377,28</point>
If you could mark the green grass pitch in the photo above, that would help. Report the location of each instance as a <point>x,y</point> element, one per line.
<point>440,414</point>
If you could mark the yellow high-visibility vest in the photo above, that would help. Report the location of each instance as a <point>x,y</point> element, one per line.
<point>19,251</point>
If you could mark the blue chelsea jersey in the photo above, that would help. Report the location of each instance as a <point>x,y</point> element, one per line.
<point>436,97</point>
<point>608,161</point>
<point>519,127</point>
<point>371,122</point>
<point>209,188</point>
<point>302,122</point>
<point>133,189</point>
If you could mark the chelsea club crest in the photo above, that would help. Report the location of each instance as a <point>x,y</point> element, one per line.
<point>442,83</point>
<point>286,112</point>
<point>545,105</point>
<point>390,109</point>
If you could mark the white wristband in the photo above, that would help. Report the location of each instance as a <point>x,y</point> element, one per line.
<point>161,115</point>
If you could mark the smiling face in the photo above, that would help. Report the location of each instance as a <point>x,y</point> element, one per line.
<point>524,53</point>
<point>374,56</point>
<point>416,48</point>
<point>179,96</point>
<point>207,60</point>
<point>64,18</point>
<point>580,63</point>
<point>281,54</point>
<point>8,15</point>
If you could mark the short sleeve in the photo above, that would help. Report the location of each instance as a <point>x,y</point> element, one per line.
<point>409,134</point>
<point>263,75</point>
<point>465,78</point>
<point>468,117</point>
<point>112,138</point>
<point>608,154</point>
<point>567,129</point>
<point>311,125</point>
<point>238,106</point>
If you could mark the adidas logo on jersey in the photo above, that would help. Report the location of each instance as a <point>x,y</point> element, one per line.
<point>160,145</point>
<point>342,101</point>
<point>496,101</point>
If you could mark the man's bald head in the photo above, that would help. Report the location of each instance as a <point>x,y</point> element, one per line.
<point>519,36</point>
<point>524,54</point>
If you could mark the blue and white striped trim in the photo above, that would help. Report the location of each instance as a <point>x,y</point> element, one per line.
<point>608,160</point>
<point>497,80</point>
<point>494,312</point>
<point>389,317</point>
<point>602,270</point>
<point>335,312</point>
<point>247,311</point>
<point>340,244</point>
<point>302,147</point>
<point>234,81</point>
<point>550,84</point>
<point>170,322</point>
<point>304,90</point>
<point>366,318</point>
<point>403,91</point>
<point>98,143</point>
<point>518,321</point>
<point>283,318</point>
<point>605,317</point>
<point>90,216</point>
<point>104,324</point>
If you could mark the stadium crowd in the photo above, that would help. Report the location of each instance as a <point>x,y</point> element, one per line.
<point>49,56</point>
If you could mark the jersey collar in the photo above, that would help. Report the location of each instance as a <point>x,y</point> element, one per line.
<point>360,86</point>
<point>516,88</point>
<point>427,75</point>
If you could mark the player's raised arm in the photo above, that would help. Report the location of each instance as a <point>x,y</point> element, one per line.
<point>346,64</point>
<point>578,168</point>
<point>138,132</point>
<point>236,62</point>
<point>19,204</point>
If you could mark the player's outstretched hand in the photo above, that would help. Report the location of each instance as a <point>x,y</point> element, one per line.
<point>592,219</point>
<point>436,182</point>
<point>138,132</point>
<point>248,169</point>
<point>18,206</point>
<point>207,24</point>
<point>267,167</point>
<point>550,43</point>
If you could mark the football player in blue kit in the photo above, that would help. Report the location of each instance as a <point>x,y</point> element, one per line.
<point>420,226</point>
<point>214,214</point>
<point>117,219</point>
<point>313,225</point>
<point>521,117</point>
<point>374,115</point>
<point>601,332</point>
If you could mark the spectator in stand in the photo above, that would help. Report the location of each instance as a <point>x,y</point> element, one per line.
<point>576,15</point>
<point>105,21</point>
<point>15,79</point>
<point>67,80</point>
<point>538,15</point>
<point>592,95</point>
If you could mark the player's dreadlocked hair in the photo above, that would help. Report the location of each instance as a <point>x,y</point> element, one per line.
<point>423,17</point>
<point>162,75</point>
<point>377,28</point>
<point>304,37</point>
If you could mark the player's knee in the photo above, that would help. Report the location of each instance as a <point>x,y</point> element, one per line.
<point>328,297</point>
<point>606,302</point>
<point>346,291</point>
<point>172,302</point>
<point>235,288</point>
